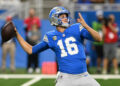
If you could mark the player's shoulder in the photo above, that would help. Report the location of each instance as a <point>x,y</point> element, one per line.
<point>76,26</point>
<point>51,33</point>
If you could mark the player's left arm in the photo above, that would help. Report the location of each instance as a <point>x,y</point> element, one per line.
<point>92,32</point>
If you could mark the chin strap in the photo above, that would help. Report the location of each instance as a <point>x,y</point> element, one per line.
<point>65,24</point>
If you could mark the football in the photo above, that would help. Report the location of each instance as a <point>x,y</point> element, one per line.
<point>8,31</point>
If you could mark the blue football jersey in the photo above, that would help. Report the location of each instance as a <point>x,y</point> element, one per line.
<point>69,48</point>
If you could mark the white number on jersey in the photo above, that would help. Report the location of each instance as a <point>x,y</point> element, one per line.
<point>71,48</point>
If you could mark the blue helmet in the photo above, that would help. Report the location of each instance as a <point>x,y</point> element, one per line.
<point>54,16</point>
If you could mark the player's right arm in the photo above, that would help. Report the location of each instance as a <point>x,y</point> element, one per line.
<point>27,47</point>
<point>31,49</point>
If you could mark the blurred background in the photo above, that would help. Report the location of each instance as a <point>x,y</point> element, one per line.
<point>31,19</point>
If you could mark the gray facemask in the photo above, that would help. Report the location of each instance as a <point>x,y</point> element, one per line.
<point>65,25</point>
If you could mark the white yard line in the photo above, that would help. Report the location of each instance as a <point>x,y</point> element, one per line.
<point>35,77</point>
<point>7,76</point>
<point>26,76</point>
<point>34,80</point>
<point>53,76</point>
<point>38,77</point>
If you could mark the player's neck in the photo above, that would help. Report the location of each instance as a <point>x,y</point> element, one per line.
<point>60,29</point>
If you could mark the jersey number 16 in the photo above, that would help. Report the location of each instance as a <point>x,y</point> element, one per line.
<point>71,47</point>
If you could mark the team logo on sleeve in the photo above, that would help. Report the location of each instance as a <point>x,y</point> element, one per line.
<point>54,37</point>
<point>45,38</point>
<point>80,27</point>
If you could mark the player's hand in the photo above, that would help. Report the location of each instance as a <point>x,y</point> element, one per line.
<point>81,20</point>
<point>15,30</point>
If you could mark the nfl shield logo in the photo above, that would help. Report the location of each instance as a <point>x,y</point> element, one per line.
<point>54,37</point>
<point>63,35</point>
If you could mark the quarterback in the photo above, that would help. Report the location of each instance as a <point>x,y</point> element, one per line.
<point>67,42</point>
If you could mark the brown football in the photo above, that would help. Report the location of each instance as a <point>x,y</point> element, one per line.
<point>8,31</point>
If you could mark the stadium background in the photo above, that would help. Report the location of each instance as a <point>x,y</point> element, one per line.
<point>18,9</point>
<point>45,27</point>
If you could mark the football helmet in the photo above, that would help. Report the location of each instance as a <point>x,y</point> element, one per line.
<point>54,16</point>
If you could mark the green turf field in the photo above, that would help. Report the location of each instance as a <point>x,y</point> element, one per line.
<point>109,82</point>
<point>92,70</point>
<point>47,82</point>
<point>12,82</point>
<point>51,82</point>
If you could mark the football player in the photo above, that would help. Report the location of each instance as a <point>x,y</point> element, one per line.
<point>67,42</point>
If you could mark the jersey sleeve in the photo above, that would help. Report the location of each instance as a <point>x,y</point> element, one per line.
<point>47,40</point>
<point>40,47</point>
<point>84,33</point>
<point>45,44</point>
